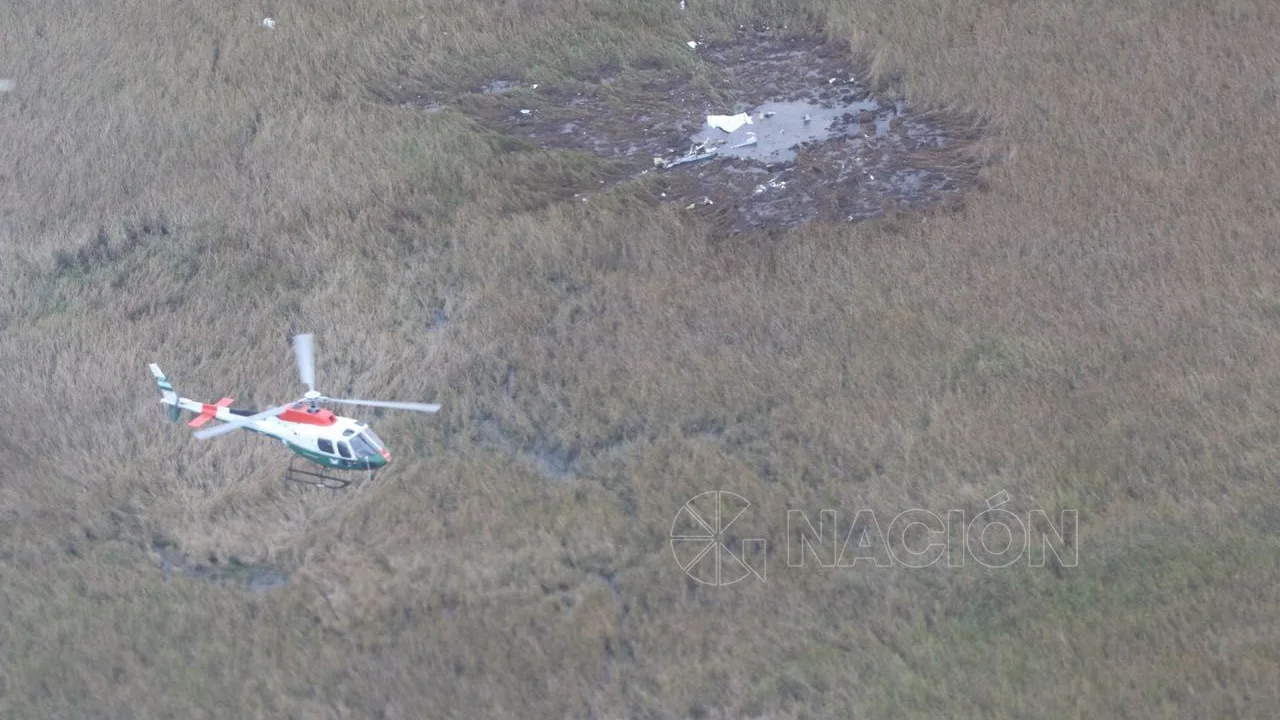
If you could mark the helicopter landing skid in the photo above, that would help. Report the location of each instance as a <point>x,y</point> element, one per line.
<point>308,476</point>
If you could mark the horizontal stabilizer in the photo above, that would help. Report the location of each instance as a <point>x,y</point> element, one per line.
<point>208,411</point>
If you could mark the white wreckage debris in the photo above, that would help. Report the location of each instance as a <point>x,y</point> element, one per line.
<point>705,150</point>
<point>696,153</point>
<point>729,123</point>
<point>775,183</point>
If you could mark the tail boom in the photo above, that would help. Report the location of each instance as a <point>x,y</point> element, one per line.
<point>176,403</point>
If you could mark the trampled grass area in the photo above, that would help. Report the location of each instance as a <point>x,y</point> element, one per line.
<point>1095,330</point>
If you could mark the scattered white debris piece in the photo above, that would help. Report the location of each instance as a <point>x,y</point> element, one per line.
<point>688,159</point>
<point>775,184</point>
<point>534,86</point>
<point>751,140</point>
<point>729,123</point>
<point>832,81</point>
<point>525,111</point>
<point>696,153</point>
<point>693,44</point>
<point>7,85</point>
<point>807,118</point>
<point>703,201</point>
<point>681,4</point>
<point>268,23</point>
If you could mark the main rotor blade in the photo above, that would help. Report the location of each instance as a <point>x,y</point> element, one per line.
<point>239,422</point>
<point>304,349</point>
<point>420,407</point>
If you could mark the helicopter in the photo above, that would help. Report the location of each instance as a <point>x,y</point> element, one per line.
<point>328,441</point>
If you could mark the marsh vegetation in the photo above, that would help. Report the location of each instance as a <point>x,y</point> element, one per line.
<point>1092,324</point>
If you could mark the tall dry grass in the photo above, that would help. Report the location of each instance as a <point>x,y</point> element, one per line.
<point>1094,332</point>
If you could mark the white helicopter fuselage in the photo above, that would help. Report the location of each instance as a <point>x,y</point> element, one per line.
<point>317,434</point>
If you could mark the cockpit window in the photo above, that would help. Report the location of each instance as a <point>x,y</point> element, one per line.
<point>362,446</point>
<point>373,439</point>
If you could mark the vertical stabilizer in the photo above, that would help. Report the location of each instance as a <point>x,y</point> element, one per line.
<point>167,395</point>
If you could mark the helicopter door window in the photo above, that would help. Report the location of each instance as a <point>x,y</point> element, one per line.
<point>344,450</point>
<point>325,446</point>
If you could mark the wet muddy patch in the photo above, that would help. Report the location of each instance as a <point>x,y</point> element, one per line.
<point>254,577</point>
<point>550,460</point>
<point>775,131</point>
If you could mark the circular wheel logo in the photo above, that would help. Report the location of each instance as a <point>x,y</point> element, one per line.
<point>698,536</point>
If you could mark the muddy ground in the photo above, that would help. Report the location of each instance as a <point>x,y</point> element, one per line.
<point>258,578</point>
<point>820,145</point>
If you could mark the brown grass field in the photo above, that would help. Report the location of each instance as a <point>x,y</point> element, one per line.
<point>1096,329</point>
